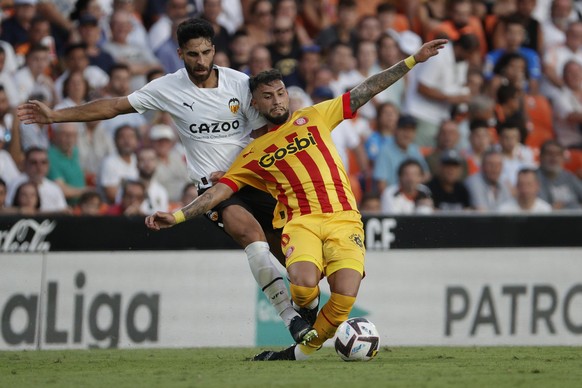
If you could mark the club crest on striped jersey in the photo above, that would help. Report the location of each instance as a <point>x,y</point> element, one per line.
<point>298,144</point>
<point>234,105</point>
<point>301,121</point>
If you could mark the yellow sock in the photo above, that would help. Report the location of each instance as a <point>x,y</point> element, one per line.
<point>334,312</point>
<point>302,296</point>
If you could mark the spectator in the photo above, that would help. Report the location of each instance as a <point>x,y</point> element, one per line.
<point>509,104</point>
<point>430,15</point>
<point>240,51</point>
<point>120,165</point>
<point>94,144</point>
<point>132,195</point>
<point>559,187</point>
<point>75,90</point>
<point>90,204</point>
<point>515,154</point>
<point>161,30</point>
<point>526,200</point>
<point>32,78</point>
<point>370,204</point>
<point>8,168</point>
<point>137,36</point>
<point>119,86</point>
<point>65,169</point>
<point>166,53</point>
<point>486,190</point>
<point>342,64</point>
<point>441,86</point>
<point>534,38</point>
<point>395,150</point>
<point>298,99</point>
<point>31,135</point>
<point>554,28</point>
<point>386,123</point>
<point>409,196</point>
<point>259,26</point>
<point>515,38</point>
<point>317,16</point>
<point>157,196</point>
<point>76,60</point>
<point>171,169</point>
<point>39,33</point>
<point>10,62</point>
<point>36,167</point>
<point>556,58</point>
<point>459,22</point>
<point>448,191</point>
<point>15,28</point>
<point>309,62</point>
<point>285,48</point>
<point>568,107</point>
<point>447,139</point>
<point>27,199</point>
<point>211,12</point>
<point>369,28</point>
<point>7,80</point>
<point>90,34</point>
<point>289,9</point>
<point>390,19</point>
<point>140,60</point>
<point>344,30</point>
<point>480,142</point>
<point>391,48</point>
<point>259,60</point>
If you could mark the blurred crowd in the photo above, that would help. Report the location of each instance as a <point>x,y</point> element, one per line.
<point>492,124</point>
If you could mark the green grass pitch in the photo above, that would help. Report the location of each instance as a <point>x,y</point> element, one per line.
<point>229,367</point>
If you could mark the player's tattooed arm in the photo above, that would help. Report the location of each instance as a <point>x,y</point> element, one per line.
<point>373,85</point>
<point>209,199</point>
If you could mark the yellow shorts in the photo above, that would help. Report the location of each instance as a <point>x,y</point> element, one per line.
<point>331,241</point>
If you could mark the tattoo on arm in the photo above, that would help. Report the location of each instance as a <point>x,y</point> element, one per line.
<point>199,206</point>
<point>373,85</point>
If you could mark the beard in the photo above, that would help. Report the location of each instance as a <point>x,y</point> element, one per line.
<point>277,120</point>
<point>196,77</point>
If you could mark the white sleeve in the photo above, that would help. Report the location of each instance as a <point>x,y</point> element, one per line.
<point>145,99</point>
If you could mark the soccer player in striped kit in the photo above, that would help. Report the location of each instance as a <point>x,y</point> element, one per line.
<point>298,164</point>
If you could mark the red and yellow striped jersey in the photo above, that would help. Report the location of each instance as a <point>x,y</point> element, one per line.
<point>298,164</point>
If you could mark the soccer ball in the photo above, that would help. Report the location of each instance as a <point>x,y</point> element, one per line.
<point>357,339</point>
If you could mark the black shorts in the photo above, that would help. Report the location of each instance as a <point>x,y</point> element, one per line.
<point>259,203</point>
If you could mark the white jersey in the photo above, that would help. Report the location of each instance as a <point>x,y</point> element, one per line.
<point>214,124</point>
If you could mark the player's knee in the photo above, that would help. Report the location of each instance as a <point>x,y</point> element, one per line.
<point>303,296</point>
<point>303,272</point>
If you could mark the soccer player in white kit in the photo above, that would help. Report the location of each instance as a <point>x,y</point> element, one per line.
<point>211,108</point>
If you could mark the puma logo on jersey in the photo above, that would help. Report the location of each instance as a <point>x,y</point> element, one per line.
<point>248,153</point>
<point>191,106</point>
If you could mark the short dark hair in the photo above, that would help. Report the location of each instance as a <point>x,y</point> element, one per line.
<point>468,42</point>
<point>89,195</point>
<point>118,130</point>
<point>32,149</point>
<point>118,66</point>
<point>75,46</point>
<point>194,29</point>
<point>264,78</point>
<point>475,124</point>
<point>506,93</point>
<point>549,143</point>
<point>409,162</point>
<point>504,61</point>
<point>511,123</point>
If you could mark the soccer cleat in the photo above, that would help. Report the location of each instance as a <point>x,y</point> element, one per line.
<point>310,315</point>
<point>301,331</point>
<point>283,355</point>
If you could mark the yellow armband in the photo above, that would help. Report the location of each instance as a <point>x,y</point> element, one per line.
<point>410,62</point>
<point>179,216</point>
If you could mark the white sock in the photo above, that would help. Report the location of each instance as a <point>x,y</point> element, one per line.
<point>270,280</point>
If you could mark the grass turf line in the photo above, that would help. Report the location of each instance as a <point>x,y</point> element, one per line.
<point>228,367</point>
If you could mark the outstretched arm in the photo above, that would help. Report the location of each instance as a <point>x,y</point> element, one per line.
<point>373,85</point>
<point>35,112</point>
<point>211,197</point>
